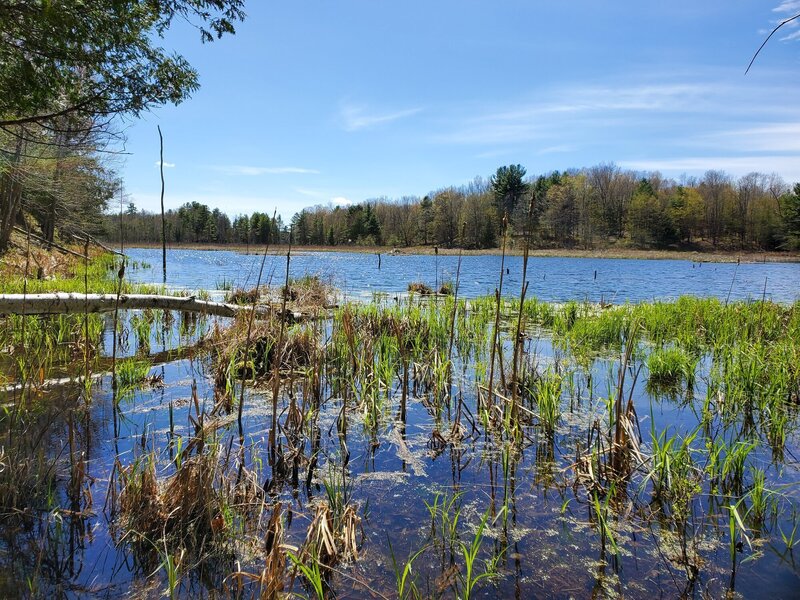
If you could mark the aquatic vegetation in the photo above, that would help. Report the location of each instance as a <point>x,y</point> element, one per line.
<point>536,433</point>
<point>670,368</point>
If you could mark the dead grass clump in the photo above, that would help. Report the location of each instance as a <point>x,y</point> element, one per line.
<point>309,292</point>
<point>243,297</point>
<point>41,262</point>
<point>271,578</point>
<point>417,287</point>
<point>298,351</point>
<point>329,539</point>
<point>186,511</point>
<point>26,478</point>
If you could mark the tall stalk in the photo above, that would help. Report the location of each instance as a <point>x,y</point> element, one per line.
<point>276,373</point>
<point>518,333</point>
<point>120,276</point>
<point>496,331</point>
<point>452,332</point>
<point>247,342</point>
<point>87,380</point>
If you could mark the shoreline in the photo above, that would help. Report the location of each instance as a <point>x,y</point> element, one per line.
<point>718,256</point>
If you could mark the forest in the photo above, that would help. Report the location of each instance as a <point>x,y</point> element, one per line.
<point>585,208</point>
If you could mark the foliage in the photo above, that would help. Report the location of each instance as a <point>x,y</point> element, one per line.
<point>98,59</point>
<point>67,69</point>
<point>508,187</point>
<point>598,206</point>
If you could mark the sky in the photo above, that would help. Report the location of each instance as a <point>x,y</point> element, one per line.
<point>322,102</point>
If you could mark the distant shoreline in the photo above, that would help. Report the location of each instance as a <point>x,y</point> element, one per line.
<point>719,256</point>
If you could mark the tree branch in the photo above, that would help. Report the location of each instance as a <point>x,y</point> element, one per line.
<point>764,43</point>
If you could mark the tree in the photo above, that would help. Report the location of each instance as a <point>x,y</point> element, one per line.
<point>790,207</point>
<point>478,220</point>
<point>67,68</point>
<point>425,222</point>
<point>561,217</point>
<point>66,58</point>
<point>613,191</point>
<point>716,190</point>
<point>446,212</point>
<point>302,228</point>
<point>749,189</point>
<point>687,211</point>
<point>508,186</point>
<point>649,218</point>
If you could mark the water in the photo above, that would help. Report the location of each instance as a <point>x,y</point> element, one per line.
<point>551,546</point>
<point>357,275</point>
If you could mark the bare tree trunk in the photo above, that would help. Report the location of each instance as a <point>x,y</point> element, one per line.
<point>10,195</point>
<point>49,223</point>
<point>163,222</point>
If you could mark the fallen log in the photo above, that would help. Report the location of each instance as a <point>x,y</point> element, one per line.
<point>69,303</point>
<point>104,369</point>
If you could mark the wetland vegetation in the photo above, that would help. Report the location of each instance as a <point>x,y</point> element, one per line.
<point>407,446</point>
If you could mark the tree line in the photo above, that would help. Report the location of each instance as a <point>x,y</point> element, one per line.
<point>193,222</point>
<point>579,208</point>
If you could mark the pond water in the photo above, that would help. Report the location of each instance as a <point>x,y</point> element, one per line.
<point>544,534</point>
<point>357,275</point>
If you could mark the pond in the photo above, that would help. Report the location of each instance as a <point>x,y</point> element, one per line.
<point>357,275</point>
<point>379,435</point>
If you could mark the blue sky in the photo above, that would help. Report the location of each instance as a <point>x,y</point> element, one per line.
<point>319,102</point>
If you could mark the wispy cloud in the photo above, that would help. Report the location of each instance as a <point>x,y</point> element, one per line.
<point>788,6</point>
<point>356,117</point>
<point>561,119</point>
<point>787,166</point>
<point>341,201</point>
<point>792,36</point>
<point>167,165</point>
<point>546,117</point>
<point>788,9</point>
<point>311,193</point>
<point>255,171</point>
<point>772,137</point>
<point>557,149</point>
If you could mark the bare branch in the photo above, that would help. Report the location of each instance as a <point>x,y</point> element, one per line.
<point>764,43</point>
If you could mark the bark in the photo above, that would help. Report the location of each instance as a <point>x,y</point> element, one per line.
<point>10,196</point>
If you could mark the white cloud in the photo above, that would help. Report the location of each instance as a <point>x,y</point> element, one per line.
<point>563,118</point>
<point>792,36</point>
<point>789,9</point>
<point>322,195</point>
<point>772,137</point>
<point>788,6</point>
<point>167,165</point>
<point>254,171</point>
<point>557,149</point>
<point>357,117</point>
<point>546,117</point>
